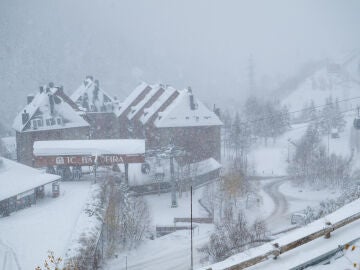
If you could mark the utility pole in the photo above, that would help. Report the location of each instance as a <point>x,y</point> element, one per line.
<point>191,229</point>
<point>173,187</point>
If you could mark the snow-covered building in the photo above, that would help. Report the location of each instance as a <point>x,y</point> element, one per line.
<point>98,109</point>
<point>188,123</point>
<point>124,108</point>
<point>21,186</point>
<point>163,115</point>
<point>49,115</point>
<point>160,114</point>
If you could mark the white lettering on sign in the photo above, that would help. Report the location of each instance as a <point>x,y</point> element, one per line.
<point>59,161</point>
<point>111,159</point>
<point>70,160</point>
<point>86,160</point>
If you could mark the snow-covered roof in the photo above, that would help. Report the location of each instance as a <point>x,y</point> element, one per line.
<point>150,111</point>
<point>40,108</point>
<point>203,167</point>
<point>131,98</point>
<point>91,98</point>
<point>180,113</point>
<point>16,178</point>
<point>135,109</point>
<point>89,147</point>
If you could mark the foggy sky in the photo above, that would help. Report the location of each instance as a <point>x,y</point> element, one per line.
<point>202,43</point>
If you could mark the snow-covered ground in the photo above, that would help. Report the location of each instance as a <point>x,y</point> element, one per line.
<point>271,159</point>
<point>170,251</point>
<point>30,233</point>
<point>342,83</point>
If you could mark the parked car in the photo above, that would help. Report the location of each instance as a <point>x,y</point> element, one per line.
<point>298,218</point>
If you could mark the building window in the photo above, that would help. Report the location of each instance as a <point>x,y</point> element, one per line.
<point>40,122</point>
<point>50,122</point>
<point>59,121</point>
<point>34,124</point>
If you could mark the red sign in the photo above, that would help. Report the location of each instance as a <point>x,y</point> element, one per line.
<point>43,161</point>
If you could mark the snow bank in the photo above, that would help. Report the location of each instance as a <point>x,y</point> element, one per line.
<point>88,226</point>
<point>89,147</point>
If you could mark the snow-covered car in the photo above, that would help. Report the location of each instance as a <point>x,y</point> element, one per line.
<point>298,218</point>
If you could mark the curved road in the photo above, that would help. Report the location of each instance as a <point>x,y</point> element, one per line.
<point>280,202</point>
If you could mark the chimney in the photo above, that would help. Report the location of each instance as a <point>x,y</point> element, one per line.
<point>51,102</point>
<point>41,89</point>
<point>192,103</point>
<point>97,84</point>
<point>191,97</point>
<point>90,77</point>
<point>51,84</point>
<point>25,117</point>
<point>30,98</point>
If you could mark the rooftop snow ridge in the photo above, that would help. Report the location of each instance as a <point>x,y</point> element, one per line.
<point>48,109</point>
<point>91,98</point>
<point>131,98</point>
<point>135,109</point>
<point>180,113</point>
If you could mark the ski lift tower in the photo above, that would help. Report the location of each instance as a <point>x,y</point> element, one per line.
<point>170,152</point>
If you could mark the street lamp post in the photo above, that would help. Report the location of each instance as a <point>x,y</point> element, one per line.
<point>173,187</point>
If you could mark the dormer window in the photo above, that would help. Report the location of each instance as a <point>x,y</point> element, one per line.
<point>50,122</point>
<point>36,123</point>
<point>40,122</point>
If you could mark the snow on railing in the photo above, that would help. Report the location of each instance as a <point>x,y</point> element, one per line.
<point>319,228</point>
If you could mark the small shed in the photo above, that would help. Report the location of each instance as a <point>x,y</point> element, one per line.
<point>21,185</point>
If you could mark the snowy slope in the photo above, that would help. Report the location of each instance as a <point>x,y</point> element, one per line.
<point>340,79</point>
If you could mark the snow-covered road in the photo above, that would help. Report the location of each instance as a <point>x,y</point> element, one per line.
<point>280,210</point>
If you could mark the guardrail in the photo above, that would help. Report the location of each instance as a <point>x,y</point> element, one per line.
<point>276,249</point>
<point>208,220</point>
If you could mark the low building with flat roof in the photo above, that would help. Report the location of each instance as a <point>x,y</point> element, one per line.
<point>21,186</point>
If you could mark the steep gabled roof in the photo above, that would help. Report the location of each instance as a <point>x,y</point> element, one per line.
<point>40,107</point>
<point>158,105</point>
<point>147,101</point>
<point>133,99</point>
<point>181,114</point>
<point>91,98</point>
